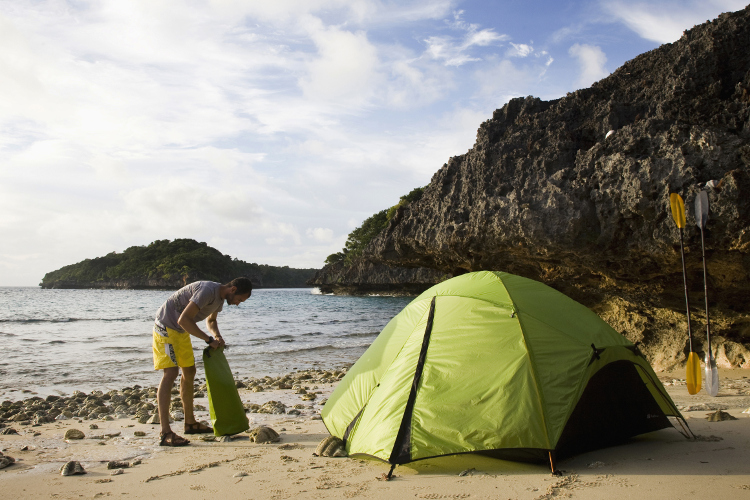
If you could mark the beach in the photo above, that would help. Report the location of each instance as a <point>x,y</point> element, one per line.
<point>662,464</point>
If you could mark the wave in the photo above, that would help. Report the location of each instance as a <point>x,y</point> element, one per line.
<point>359,334</point>
<point>54,342</point>
<point>65,320</point>
<point>318,348</point>
<point>127,349</point>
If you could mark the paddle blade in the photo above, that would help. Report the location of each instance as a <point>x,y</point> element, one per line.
<point>693,373</point>
<point>711,375</point>
<point>678,209</point>
<point>701,209</point>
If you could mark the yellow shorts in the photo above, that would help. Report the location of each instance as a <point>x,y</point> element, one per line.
<point>172,349</point>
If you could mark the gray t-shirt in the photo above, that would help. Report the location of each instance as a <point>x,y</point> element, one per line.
<point>205,295</point>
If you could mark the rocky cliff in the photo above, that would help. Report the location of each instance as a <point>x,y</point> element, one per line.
<point>363,277</point>
<point>575,193</point>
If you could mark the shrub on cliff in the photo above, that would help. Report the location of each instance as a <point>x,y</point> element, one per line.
<point>371,227</point>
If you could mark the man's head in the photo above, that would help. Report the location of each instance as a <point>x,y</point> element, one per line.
<point>240,290</point>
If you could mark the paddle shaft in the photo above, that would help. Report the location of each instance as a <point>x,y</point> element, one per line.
<point>687,300</point>
<point>705,293</point>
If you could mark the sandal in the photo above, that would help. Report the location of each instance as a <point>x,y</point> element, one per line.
<point>197,428</point>
<point>172,439</point>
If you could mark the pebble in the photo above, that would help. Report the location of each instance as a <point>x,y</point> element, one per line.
<point>6,461</point>
<point>139,433</point>
<point>263,434</point>
<point>74,434</point>
<point>116,472</point>
<point>71,469</point>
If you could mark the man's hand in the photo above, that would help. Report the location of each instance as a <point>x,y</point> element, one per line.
<point>214,344</point>
<point>220,340</point>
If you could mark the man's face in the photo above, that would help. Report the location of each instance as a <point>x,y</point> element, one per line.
<point>234,299</point>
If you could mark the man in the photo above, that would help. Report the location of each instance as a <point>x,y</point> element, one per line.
<point>176,320</point>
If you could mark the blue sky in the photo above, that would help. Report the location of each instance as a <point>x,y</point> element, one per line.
<point>269,130</point>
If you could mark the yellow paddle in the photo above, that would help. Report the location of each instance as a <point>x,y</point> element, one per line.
<point>693,362</point>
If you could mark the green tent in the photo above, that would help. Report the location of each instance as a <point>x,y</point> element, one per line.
<point>495,363</point>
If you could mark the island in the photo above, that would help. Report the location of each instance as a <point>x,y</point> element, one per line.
<point>169,265</point>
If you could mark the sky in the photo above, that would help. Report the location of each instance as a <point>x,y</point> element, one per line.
<point>268,130</point>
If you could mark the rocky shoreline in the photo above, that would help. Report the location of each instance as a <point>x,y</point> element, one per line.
<point>139,403</point>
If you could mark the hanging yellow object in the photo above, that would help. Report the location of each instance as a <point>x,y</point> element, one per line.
<point>678,209</point>
<point>693,373</point>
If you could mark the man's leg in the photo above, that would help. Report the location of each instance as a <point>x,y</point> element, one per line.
<point>186,393</point>
<point>164,396</point>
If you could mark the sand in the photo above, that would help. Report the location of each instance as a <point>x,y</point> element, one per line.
<point>658,465</point>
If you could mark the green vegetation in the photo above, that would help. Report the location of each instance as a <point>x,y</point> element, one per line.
<point>371,227</point>
<point>173,263</point>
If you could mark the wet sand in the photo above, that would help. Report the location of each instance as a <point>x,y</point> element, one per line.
<point>659,465</point>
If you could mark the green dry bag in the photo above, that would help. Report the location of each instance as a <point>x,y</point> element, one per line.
<point>224,403</point>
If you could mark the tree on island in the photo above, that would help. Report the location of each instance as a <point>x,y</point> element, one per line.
<point>170,264</point>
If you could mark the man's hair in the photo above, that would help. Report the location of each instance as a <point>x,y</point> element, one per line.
<point>244,285</point>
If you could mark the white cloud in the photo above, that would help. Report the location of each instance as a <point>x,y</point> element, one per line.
<point>320,234</point>
<point>456,52</point>
<point>664,22</point>
<point>345,70</point>
<point>519,50</point>
<point>591,60</point>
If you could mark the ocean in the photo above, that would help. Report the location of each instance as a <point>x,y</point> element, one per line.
<point>58,341</point>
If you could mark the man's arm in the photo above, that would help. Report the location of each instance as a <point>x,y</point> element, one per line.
<point>213,327</point>
<point>187,323</point>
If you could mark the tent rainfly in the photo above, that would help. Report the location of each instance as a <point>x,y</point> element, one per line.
<point>500,364</point>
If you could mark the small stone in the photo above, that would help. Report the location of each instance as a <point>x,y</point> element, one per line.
<point>139,433</point>
<point>93,426</point>
<point>116,464</point>
<point>74,434</point>
<point>240,474</point>
<point>116,472</point>
<point>6,461</point>
<point>719,416</point>
<point>263,434</point>
<point>331,447</point>
<point>71,469</point>
<point>9,430</point>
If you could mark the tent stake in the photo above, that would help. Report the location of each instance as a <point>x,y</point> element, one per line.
<point>390,472</point>
<point>555,472</point>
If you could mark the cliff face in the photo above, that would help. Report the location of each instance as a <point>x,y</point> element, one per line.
<point>363,277</point>
<point>544,193</point>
